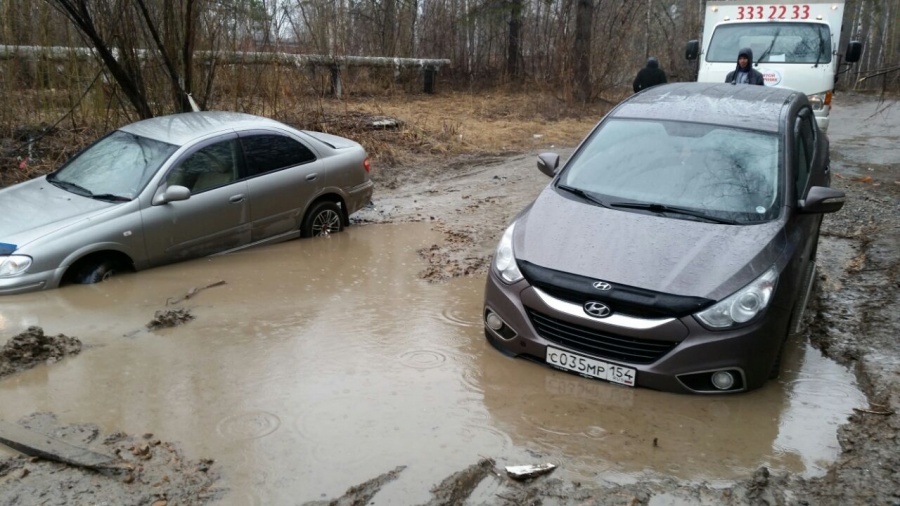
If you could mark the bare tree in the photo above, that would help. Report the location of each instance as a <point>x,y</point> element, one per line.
<point>513,55</point>
<point>584,18</point>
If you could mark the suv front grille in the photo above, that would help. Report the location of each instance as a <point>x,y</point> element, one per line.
<point>604,345</point>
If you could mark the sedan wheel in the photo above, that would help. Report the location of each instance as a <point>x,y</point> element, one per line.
<point>96,273</point>
<point>324,219</point>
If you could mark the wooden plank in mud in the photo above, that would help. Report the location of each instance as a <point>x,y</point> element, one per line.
<point>46,447</point>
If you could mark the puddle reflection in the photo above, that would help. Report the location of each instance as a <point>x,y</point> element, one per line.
<point>321,364</point>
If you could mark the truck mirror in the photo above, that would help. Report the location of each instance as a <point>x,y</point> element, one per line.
<point>692,51</point>
<point>854,50</point>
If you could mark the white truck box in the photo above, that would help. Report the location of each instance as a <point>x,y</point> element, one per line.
<point>795,45</point>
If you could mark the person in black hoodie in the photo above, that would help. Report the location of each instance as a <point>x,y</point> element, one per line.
<point>651,75</point>
<point>744,73</point>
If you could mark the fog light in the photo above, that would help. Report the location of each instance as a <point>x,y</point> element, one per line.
<point>723,380</point>
<point>493,321</point>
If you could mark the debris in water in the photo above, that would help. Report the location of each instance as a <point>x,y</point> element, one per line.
<point>170,318</point>
<point>526,472</point>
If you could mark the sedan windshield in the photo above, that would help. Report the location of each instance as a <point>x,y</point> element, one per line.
<point>680,170</point>
<point>114,168</point>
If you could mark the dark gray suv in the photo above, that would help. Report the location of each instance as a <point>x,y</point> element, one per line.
<point>676,248</point>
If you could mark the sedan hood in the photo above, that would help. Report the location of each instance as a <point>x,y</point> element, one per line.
<point>662,254</point>
<point>35,208</point>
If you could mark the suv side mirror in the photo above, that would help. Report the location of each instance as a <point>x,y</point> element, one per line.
<point>854,51</point>
<point>548,163</point>
<point>692,50</point>
<point>822,199</point>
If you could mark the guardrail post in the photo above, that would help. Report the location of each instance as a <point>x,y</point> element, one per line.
<point>430,77</point>
<point>336,86</point>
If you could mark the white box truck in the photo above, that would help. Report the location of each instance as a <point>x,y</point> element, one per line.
<point>794,44</point>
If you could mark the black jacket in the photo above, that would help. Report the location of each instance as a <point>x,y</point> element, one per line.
<point>753,76</point>
<point>651,75</point>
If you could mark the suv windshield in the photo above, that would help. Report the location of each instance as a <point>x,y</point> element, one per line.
<point>117,166</point>
<point>720,172</point>
<point>772,42</point>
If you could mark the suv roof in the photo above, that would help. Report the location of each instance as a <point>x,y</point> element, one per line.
<point>743,106</point>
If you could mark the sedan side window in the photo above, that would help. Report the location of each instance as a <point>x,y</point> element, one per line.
<point>804,145</point>
<point>212,166</point>
<point>269,152</point>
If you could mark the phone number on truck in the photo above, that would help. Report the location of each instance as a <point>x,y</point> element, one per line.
<point>796,11</point>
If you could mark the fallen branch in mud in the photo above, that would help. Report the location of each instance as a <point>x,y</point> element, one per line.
<point>194,291</point>
<point>873,412</point>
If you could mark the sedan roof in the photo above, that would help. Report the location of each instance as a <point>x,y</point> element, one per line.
<point>743,106</point>
<point>179,129</point>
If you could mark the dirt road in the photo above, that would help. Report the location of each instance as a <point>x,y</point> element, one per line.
<point>469,200</point>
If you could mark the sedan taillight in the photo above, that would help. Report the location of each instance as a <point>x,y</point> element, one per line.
<point>366,164</point>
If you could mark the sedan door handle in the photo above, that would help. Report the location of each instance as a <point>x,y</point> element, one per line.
<point>312,177</point>
<point>234,199</point>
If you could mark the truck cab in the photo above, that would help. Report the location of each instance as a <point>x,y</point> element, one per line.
<point>795,45</point>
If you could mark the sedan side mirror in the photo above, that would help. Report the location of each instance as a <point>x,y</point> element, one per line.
<point>548,163</point>
<point>822,199</point>
<point>171,194</point>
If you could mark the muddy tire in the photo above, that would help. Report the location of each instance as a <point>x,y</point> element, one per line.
<point>95,272</point>
<point>795,325</point>
<point>322,220</point>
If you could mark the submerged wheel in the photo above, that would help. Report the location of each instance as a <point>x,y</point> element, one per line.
<point>795,325</point>
<point>323,219</point>
<point>96,272</point>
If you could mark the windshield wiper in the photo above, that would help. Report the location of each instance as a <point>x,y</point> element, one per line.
<point>819,50</point>
<point>768,49</point>
<point>583,194</point>
<point>70,187</point>
<point>662,208</point>
<point>112,197</point>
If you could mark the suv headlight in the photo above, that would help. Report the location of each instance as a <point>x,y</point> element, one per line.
<point>505,260</point>
<point>13,265</point>
<point>743,305</point>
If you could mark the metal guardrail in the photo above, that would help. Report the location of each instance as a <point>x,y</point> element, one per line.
<point>429,66</point>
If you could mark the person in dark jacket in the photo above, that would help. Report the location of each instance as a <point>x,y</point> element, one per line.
<point>651,75</point>
<point>744,73</point>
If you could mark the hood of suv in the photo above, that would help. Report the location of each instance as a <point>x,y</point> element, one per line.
<point>658,253</point>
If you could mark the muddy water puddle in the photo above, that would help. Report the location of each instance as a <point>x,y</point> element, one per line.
<point>321,364</point>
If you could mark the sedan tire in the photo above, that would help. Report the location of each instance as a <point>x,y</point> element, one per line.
<point>95,272</point>
<point>322,220</point>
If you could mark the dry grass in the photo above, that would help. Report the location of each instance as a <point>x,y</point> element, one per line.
<point>450,123</point>
<point>445,124</point>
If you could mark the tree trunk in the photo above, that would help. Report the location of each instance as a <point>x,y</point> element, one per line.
<point>584,10</point>
<point>513,68</point>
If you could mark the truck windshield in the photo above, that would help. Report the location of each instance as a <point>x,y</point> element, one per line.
<point>789,42</point>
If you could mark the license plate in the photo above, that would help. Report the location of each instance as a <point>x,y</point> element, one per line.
<point>591,367</point>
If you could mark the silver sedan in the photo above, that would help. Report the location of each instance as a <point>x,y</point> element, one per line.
<point>176,187</point>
